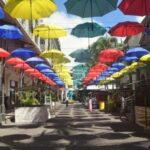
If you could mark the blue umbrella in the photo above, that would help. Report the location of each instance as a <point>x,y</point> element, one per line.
<point>137,52</point>
<point>34,61</point>
<point>113,69</point>
<point>47,71</point>
<point>2,14</point>
<point>10,32</point>
<point>42,67</point>
<point>118,65</point>
<point>23,53</point>
<point>129,59</point>
<point>50,75</point>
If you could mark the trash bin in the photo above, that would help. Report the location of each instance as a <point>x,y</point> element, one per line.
<point>101,105</point>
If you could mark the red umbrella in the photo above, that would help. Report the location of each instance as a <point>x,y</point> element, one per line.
<point>23,66</point>
<point>31,70</point>
<point>124,29</point>
<point>135,7</point>
<point>14,61</point>
<point>110,55</point>
<point>4,53</point>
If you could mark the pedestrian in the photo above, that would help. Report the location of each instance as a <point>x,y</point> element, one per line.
<point>123,106</point>
<point>67,102</point>
<point>90,103</point>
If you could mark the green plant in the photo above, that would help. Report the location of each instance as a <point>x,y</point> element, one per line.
<point>27,98</point>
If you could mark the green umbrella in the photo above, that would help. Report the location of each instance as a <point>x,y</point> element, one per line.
<point>88,30</point>
<point>90,8</point>
<point>82,55</point>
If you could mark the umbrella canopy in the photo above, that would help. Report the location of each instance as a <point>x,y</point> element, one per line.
<point>129,59</point>
<point>90,8</point>
<point>137,52</point>
<point>89,30</point>
<point>49,31</point>
<point>64,60</point>
<point>81,55</point>
<point>42,66</point>
<point>2,13</point>
<point>145,58</point>
<point>4,53</point>
<point>124,29</point>
<point>30,9</point>
<point>14,61</point>
<point>110,55</point>
<point>113,69</point>
<point>47,71</point>
<point>35,60</point>
<point>31,70</point>
<point>23,53</point>
<point>10,32</point>
<point>118,65</point>
<point>23,66</point>
<point>53,54</point>
<point>135,7</point>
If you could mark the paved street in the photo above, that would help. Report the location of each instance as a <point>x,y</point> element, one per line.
<point>76,128</point>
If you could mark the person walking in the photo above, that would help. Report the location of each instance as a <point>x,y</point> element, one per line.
<point>123,106</point>
<point>67,102</point>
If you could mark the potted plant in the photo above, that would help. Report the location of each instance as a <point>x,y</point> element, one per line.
<point>30,110</point>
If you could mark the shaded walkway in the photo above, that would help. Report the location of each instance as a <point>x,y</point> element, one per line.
<point>76,128</point>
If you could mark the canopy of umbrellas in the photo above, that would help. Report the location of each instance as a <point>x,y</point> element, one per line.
<point>121,63</point>
<point>28,61</point>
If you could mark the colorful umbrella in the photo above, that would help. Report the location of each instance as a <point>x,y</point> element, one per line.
<point>30,9</point>
<point>2,13</point>
<point>53,54</point>
<point>145,58</point>
<point>4,53</point>
<point>14,61</point>
<point>135,7</point>
<point>89,30</point>
<point>34,61</point>
<point>90,8</point>
<point>23,53</point>
<point>10,32</point>
<point>129,59</point>
<point>49,31</point>
<point>63,60</point>
<point>23,66</point>
<point>118,65</point>
<point>137,52</point>
<point>81,55</point>
<point>42,66</point>
<point>31,70</point>
<point>110,55</point>
<point>124,29</point>
<point>47,71</point>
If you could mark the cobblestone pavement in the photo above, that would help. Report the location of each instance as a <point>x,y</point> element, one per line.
<point>76,128</point>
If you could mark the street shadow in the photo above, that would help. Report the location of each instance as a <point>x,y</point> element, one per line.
<point>15,137</point>
<point>115,136</point>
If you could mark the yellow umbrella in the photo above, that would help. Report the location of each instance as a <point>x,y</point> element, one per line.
<point>30,9</point>
<point>53,54</point>
<point>49,31</point>
<point>64,59</point>
<point>145,58</point>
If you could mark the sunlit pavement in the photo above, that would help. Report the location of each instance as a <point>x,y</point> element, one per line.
<point>76,128</point>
